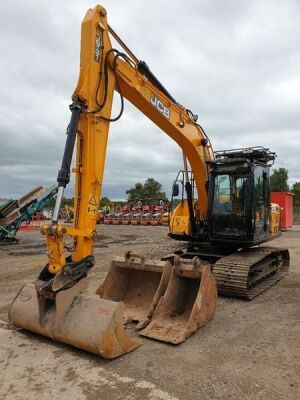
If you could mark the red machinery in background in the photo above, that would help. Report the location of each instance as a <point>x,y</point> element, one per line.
<point>137,212</point>
<point>285,201</point>
<point>160,206</point>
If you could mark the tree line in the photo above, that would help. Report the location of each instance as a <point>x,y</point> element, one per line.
<point>153,189</point>
<point>150,189</point>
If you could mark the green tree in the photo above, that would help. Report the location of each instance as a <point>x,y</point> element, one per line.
<point>104,200</point>
<point>150,189</point>
<point>296,191</point>
<point>153,189</point>
<point>69,202</point>
<point>137,192</point>
<point>279,180</point>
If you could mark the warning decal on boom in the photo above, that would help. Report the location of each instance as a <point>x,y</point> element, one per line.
<point>92,206</point>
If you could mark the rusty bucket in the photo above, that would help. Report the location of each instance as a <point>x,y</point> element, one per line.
<point>83,321</point>
<point>188,303</point>
<point>138,283</point>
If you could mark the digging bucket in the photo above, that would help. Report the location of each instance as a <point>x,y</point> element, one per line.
<point>188,303</point>
<point>138,283</point>
<point>75,318</point>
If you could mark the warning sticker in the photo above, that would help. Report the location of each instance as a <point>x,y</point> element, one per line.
<point>92,205</point>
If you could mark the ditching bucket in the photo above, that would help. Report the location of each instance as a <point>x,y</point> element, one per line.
<point>81,320</point>
<point>188,303</point>
<point>138,283</point>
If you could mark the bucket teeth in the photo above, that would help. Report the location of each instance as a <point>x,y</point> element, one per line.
<point>83,321</point>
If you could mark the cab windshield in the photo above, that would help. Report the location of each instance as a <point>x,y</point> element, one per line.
<point>229,194</point>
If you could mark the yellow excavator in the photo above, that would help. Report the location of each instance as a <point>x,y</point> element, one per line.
<point>222,217</point>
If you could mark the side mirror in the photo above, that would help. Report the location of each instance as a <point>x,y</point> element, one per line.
<point>175,190</point>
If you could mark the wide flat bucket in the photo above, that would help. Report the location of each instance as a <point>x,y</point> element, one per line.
<point>138,283</point>
<point>189,303</point>
<point>83,321</point>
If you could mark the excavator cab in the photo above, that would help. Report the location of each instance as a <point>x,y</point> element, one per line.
<point>239,208</point>
<point>239,196</point>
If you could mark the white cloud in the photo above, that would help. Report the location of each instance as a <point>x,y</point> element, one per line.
<point>236,64</point>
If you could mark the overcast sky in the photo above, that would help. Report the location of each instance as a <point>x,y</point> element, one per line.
<point>234,63</point>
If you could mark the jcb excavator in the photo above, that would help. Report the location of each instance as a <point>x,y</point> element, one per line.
<point>222,216</point>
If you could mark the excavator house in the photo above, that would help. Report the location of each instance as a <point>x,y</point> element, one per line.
<point>223,216</point>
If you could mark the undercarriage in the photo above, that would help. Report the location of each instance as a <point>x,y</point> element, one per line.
<point>239,273</point>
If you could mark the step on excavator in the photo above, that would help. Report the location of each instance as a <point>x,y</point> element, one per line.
<point>222,217</point>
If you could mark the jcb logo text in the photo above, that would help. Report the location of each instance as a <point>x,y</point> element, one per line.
<point>160,106</point>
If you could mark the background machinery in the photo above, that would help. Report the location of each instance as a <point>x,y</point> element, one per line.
<point>137,211</point>
<point>168,298</point>
<point>68,213</point>
<point>22,211</point>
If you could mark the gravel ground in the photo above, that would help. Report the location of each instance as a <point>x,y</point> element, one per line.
<point>251,350</point>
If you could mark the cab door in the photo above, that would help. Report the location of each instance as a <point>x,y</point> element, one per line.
<point>261,202</point>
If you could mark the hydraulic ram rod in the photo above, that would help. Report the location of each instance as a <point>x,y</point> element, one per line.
<point>63,177</point>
